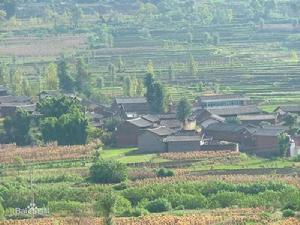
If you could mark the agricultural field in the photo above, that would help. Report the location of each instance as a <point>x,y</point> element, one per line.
<point>50,175</point>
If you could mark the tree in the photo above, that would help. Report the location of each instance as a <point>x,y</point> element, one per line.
<point>100,82</point>
<point>66,81</point>
<point>16,81</point>
<point>106,204</point>
<point>291,121</point>
<point>160,99</point>
<point>128,87</point>
<point>171,72</point>
<point>71,128</point>
<point>139,88</point>
<point>82,77</point>
<point>155,94</point>
<point>150,67</point>
<point>64,121</point>
<point>107,172</point>
<point>111,71</point>
<point>120,65</point>
<point>48,129</point>
<point>284,144</point>
<point>184,110</point>
<point>192,66</point>
<point>51,78</point>
<point>17,128</point>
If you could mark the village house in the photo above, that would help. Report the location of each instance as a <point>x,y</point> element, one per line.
<point>283,110</point>
<point>152,140</point>
<point>213,101</point>
<point>227,105</point>
<point>259,140</point>
<point>234,111</point>
<point>258,119</point>
<point>130,107</point>
<point>127,132</point>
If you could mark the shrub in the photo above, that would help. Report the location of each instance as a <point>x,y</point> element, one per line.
<point>288,213</point>
<point>108,172</point>
<point>225,199</point>
<point>121,186</point>
<point>135,212</point>
<point>159,205</point>
<point>164,173</point>
<point>67,207</point>
<point>121,205</point>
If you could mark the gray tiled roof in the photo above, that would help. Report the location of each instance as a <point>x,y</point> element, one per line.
<point>257,117</point>
<point>222,97</point>
<point>182,138</point>
<point>290,108</point>
<point>139,122</point>
<point>131,100</point>
<point>235,110</point>
<point>162,131</point>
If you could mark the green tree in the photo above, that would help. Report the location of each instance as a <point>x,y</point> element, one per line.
<point>48,129</point>
<point>107,172</point>
<point>155,94</point>
<point>150,67</point>
<point>82,77</point>
<point>72,129</point>
<point>192,65</point>
<point>66,81</point>
<point>184,110</point>
<point>64,121</point>
<point>51,78</point>
<point>291,120</point>
<point>111,71</point>
<point>284,144</point>
<point>139,88</point>
<point>17,128</point>
<point>128,87</point>
<point>106,205</point>
<point>100,82</point>
<point>16,81</point>
<point>120,65</point>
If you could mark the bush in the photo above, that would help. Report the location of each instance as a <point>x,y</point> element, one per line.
<point>106,172</point>
<point>164,173</point>
<point>135,212</point>
<point>65,208</point>
<point>288,213</point>
<point>159,205</point>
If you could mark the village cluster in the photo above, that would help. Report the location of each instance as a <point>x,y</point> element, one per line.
<point>211,126</point>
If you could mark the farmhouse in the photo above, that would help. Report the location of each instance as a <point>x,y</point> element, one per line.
<point>183,143</point>
<point>282,110</point>
<point>213,101</point>
<point>234,111</point>
<point>130,107</point>
<point>204,118</point>
<point>257,119</point>
<point>9,109</point>
<point>259,140</point>
<point>127,132</point>
<point>152,140</point>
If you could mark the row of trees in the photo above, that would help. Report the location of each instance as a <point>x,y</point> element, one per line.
<point>63,121</point>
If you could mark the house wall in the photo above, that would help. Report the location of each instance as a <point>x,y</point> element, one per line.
<point>220,147</point>
<point>183,146</point>
<point>127,135</point>
<point>265,146</point>
<point>149,142</point>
